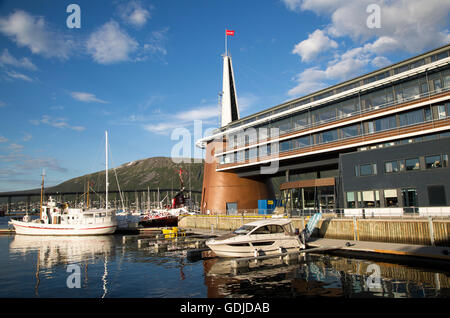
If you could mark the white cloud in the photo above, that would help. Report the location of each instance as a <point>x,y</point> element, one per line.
<point>162,128</point>
<point>86,97</point>
<point>17,75</point>
<point>406,26</point>
<point>155,45</point>
<point>200,113</point>
<point>60,123</point>
<point>2,103</point>
<point>110,44</point>
<point>27,137</point>
<point>15,147</point>
<point>34,32</point>
<point>134,13</point>
<point>316,43</point>
<point>3,139</point>
<point>7,59</point>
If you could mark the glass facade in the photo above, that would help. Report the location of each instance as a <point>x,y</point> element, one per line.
<point>379,98</point>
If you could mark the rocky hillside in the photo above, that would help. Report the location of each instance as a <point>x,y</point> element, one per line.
<point>153,172</point>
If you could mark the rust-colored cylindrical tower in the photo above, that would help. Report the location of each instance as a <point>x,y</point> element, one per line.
<point>220,188</point>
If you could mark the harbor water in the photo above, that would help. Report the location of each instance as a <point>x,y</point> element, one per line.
<point>106,267</point>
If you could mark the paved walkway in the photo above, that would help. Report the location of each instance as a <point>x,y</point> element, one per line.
<point>435,252</point>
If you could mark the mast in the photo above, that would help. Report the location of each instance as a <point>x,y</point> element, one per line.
<point>106,171</point>
<point>42,194</point>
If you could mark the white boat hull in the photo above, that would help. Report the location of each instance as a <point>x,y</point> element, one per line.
<point>31,228</point>
<point>225,250</point>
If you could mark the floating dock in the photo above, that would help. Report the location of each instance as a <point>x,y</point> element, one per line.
<point>384,249</point>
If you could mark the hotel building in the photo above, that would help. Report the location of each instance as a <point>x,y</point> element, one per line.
<point>378,143</point>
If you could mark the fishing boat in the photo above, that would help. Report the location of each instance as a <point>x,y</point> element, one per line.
<point>59,219</point>
<point>158,219</point>
<point>168,215</point>
<point>264,237</point>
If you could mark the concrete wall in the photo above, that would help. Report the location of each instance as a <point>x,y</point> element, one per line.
<point>412,231</point>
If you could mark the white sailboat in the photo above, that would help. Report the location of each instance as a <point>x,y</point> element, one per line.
<point>57,219</point>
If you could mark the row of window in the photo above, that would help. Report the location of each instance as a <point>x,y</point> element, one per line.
<point>391,198</point>
<point>371,79</point>
<point>410,164</point>
<point>406,141</point>
<point>379,98</point>
<point>412,117</point>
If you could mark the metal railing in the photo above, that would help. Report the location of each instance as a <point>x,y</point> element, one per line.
<point>362,213</point>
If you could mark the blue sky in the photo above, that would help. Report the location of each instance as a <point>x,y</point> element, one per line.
<point>140,69</point>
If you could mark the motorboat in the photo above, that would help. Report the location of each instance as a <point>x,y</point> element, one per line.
<point>58,219</point>
<point>263,237</point>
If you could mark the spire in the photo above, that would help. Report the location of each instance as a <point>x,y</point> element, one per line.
<point>230,109</point>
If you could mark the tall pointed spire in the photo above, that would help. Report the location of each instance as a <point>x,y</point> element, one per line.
<point>230,108</point>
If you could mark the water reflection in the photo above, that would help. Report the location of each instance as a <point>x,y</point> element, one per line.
<point>52,252</point>
<point>324,275</point>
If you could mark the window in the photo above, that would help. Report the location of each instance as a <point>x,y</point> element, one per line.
<point>301,121</point>
<point>427,113</point>
<point>410,89</point>
<point>328,136</point>
<point>285,145</point>
<point>391,166</point>
<point>262,230</point>
<point>368,169</point>
<point>385,123</point>
<point>432,162</point>
<point>411,118</point>
<point>436,195</point>
<point>441,113</point>
<point>275,229</point>
<point>301,142</point>
<point>350,131</point>
<point>412,164</point>
<point>253,153</point>
<point>351,200</point>
<point>390,198</point>
<point>284,125</point>
<point>437,85</point>
<point>368,199</point>
<point>240,156</point>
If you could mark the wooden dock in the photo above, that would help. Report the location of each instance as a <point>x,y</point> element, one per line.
<point>387,249</point>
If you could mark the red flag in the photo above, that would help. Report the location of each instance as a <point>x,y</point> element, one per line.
<point>229,32</point>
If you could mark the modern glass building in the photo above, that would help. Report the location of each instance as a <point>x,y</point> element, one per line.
<point>378,143</point>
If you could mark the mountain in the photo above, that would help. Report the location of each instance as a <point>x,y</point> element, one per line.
<point>150,173</point>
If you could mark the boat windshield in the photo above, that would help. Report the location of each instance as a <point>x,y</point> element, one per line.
<point>243,230</point>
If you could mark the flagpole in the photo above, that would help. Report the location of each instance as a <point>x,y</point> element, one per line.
<point>226,49</point>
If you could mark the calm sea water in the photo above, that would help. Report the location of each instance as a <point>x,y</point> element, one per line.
<point>104,267</point>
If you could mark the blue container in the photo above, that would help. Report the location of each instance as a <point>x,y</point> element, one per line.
<point>266,206</point>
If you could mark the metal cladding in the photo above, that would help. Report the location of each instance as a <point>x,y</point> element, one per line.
<point>220,188</point>
<point>230,108</point>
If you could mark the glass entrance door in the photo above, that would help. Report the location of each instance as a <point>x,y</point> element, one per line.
<point>327,201</point>
<point>410,200</point>
<point>232,208</point>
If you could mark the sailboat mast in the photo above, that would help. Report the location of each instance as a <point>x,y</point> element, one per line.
<point>106,171</point>
<point>42,195</point>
